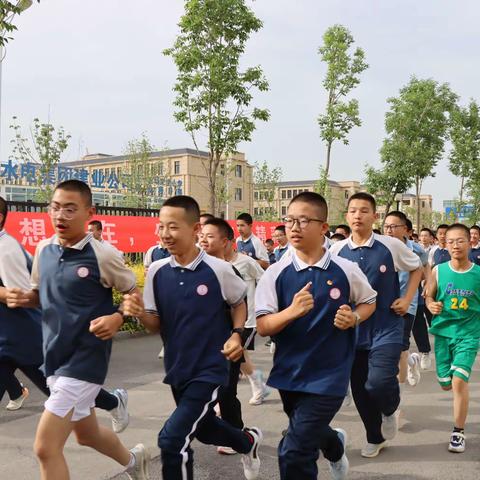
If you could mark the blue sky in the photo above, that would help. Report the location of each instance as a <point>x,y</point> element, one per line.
<point>97,69</point>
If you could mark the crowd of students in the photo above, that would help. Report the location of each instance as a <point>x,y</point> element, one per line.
<point>338,307</point>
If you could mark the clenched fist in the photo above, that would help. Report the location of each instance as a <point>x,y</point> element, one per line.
<point>302,302</point>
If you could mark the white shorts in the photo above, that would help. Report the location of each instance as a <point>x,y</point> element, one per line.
<point>67,394</point>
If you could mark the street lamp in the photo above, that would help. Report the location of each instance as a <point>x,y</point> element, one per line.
<point>22,6</point>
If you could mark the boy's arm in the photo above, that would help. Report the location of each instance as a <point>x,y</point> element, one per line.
<point>233,348</point>
<point>133,306</point>
<point>16,298</point>
<point>273,323</point>
<point>402,304</point>
<point>431,293</point>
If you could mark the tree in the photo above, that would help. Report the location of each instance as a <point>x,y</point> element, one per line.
<point>7,11</point>
<point>45,150</point>
<point>465,152</point>
<point>213,94</point>
<point>141,177</point>
<point>266,181</point>
<point>417,127</point>
<point>343,75</point>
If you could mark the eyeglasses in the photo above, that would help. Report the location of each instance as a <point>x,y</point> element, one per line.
<point>68,212</point>
<point>303,222</point>
<point>392,226</point>
<point>457,241</point>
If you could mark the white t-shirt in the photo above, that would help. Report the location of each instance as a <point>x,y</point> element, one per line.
<point>251,272</point>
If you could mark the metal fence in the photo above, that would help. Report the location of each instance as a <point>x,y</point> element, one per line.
<point>101,209</point>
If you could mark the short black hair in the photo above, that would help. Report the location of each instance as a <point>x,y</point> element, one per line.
<point>364,196</point>
<point>223,227</point>
<point>280,228</point>
<point>377,231</point>
<point>426,229</point>
<point>246,217</point>
<point>77,186</point>
<point>473,227</point>
<point>398,214</point>
<point>207,215</point>
<point>314,199</point>
<point>3,211</point>
<point>345,227</point>
<point>337,236</point>
<point>442,226</point>
<point>459,226</point>
<point>409,224</point>
<point>97,224</point>
<point>269,241</point>
<point>189,204</point>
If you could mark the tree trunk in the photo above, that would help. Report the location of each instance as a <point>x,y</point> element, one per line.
<point>417,193</point>
<point>460,201</point>
<point>327,166</point>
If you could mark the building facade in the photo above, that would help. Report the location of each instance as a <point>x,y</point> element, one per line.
<point>172,172</point>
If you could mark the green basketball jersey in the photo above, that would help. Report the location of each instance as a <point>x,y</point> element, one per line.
<point>460,294</point>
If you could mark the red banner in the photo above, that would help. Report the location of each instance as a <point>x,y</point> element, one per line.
<point>128,234</point>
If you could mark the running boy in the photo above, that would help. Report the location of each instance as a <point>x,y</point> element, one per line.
<point>185,297</point>
<point>303,302</point>
<point>72,279</point>
<point>374,373</point>
<point>453,297</point>
<point>248,243</point>
<point>280,236</point>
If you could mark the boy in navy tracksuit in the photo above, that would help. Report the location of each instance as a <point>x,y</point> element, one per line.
<point>374,380</point>
<point>303,303</point>
<point>185,298</point>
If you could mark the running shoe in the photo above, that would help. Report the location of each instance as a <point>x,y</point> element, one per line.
<point>457,442</point>
<point>371,450</point>
<point>413,374</point>
<point>390,426</point>
<point>120,416</point>
<point>250,461</point>
<point>339,469</point>
<point>18,402</point>
<point>425,361</point>
<point>140,470</point>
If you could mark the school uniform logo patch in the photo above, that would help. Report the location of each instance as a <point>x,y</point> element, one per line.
<point>383,268</point>
<point>202,290</point>
<point>83,272</point>
<point>335,293</point>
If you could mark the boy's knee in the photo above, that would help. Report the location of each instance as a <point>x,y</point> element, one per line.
<point>44,450</point>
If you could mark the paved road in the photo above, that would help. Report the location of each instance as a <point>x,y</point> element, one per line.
<point>418,452</point>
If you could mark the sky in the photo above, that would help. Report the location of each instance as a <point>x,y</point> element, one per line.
<point>97,69</point>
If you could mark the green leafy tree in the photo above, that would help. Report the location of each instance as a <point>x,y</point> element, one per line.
<point>417,127</point>
<point>213,93</point>
<point>465,152</point>
<point>44,148</point>
<point>343,75</point>
<point>8,10</point>
<point>142,176</point>
<point>266,181</point>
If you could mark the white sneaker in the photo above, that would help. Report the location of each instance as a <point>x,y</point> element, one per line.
<point>250,461</point>
<point>140,469</point>
<point>161,353</point>
<point>413,374</point>
<point>425,361</point>
<point>120,416</point>
<point>260,391</point>
<point>226,451</point>
<point>457,442</point>
<point>339,469</point>
<point>17,403</point>
<point>371,450</point>
<point>390,425</point>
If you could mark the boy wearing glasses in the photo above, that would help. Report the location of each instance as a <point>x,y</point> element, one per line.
<point>280,236</point>
<point>72,280</point>
<point>454,300</point>
<point>248,243</point>
<point>374,380</point>
<point>303,303</point>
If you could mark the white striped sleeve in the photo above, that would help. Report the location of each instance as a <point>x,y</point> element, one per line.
<point>266,299</point>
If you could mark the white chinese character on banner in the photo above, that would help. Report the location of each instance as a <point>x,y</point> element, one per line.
<point>108,233</point>
<point>32,231</point>
<point>261,232</point>
<point>157,230</point>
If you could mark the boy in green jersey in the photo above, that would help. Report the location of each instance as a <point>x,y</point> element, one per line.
<point>453,297</point>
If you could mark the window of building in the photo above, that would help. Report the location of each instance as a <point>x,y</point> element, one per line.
<point>284,194</point>
<point>423,204</point>
<point>238,194</point>
<point>255,195</point>
<point>238,171</point>
<point>289,194</point>
<point>294,193</point>
<point>176,167</point>
<point>284,211</point>
<point>346,194</point>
